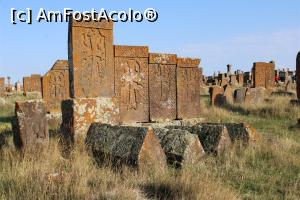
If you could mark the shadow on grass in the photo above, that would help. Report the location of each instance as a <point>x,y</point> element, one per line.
<point>160,191</point>
<point>5,119</point>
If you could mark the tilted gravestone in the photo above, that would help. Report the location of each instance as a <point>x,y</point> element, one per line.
<point>91,59</point>
<point>56,86</point>
<point>131,79</point>
<point>188,88</point>
<point>216,95</point>
<point>2,86</point>
<point>30,125</point>
<point>162,86</point>
<point>255,95</point>
<point>240,95</point>
<point>263,74</point>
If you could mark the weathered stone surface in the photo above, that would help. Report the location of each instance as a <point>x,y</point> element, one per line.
<point>91,59</point>
<point>188,62</point>
<point>134,146</point>
<point>233,79</point>
<point>188,88</point>
<point>56,86</point>
<point>298,74</point>
<point>32,83</point>
<point>164,59</point>
<point>228,95</point>
<point>238,132</point>
<point>54,120</point>
<point>180,146</point>
<point>162,87</point>
<point>131,51</point>
<point>240,95</point>
<point>255,95</point>
<point>79,114</point>
<point>132,84</point>
<point>2,86</point>
<point>216,95</point>
<point>30,125</point>
<point>264,74</point>
<point>240,79</point>
<point>213,137</point>
<point>224,82</point>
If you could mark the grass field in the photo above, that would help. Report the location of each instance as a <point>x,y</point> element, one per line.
<point>269,169</point>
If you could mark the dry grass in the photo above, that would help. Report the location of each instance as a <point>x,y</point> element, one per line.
<point>269,169</point>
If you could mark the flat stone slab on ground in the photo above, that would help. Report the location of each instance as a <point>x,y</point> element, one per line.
<point>133,146</point>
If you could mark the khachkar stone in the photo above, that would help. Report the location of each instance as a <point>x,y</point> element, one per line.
<point>188,88</point>
<point>240,95</point>
<point>91,59</point>
<point>131,80</point>
<point>216,95</point>
<point>2,86</point>
<point>32,83</point>
<point>162,86</point>
<point>30,125</point>
<point>56,86</point>
<point>133,146</point>
<point>79,114</point>
<point>264,74</point>
<point>298,75</point>
<point>180,146</point>
<point>240,79</point>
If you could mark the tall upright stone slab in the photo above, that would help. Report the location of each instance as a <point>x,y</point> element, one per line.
<point>298,74</point>
<point>188,88</point>
<point>32,83</point>
<point>2,86</point>
<point>91,59</point>
<point>131,79</point>
<point>162,86</point>
<point>56,86</point>
<point>30,125</point>
<point>263,74</point>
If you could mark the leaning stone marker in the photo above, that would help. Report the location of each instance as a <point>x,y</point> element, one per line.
<point>133,146</point>
<point>79,114</point>
<point>162,86</point>
<point>228,95</point>
<point>56,86</point>
<point>264,74</point>
<point>2,86</point>
<point>30,125</point>
<point>91,59</point>
<point>131,65</point>
<point>240,95</point>
<point>255,95</point>
<point>216,95</point>
<point>180,146</point>
<point>188,88</point>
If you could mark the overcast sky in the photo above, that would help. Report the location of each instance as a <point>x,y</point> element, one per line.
<point>233,31</point>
